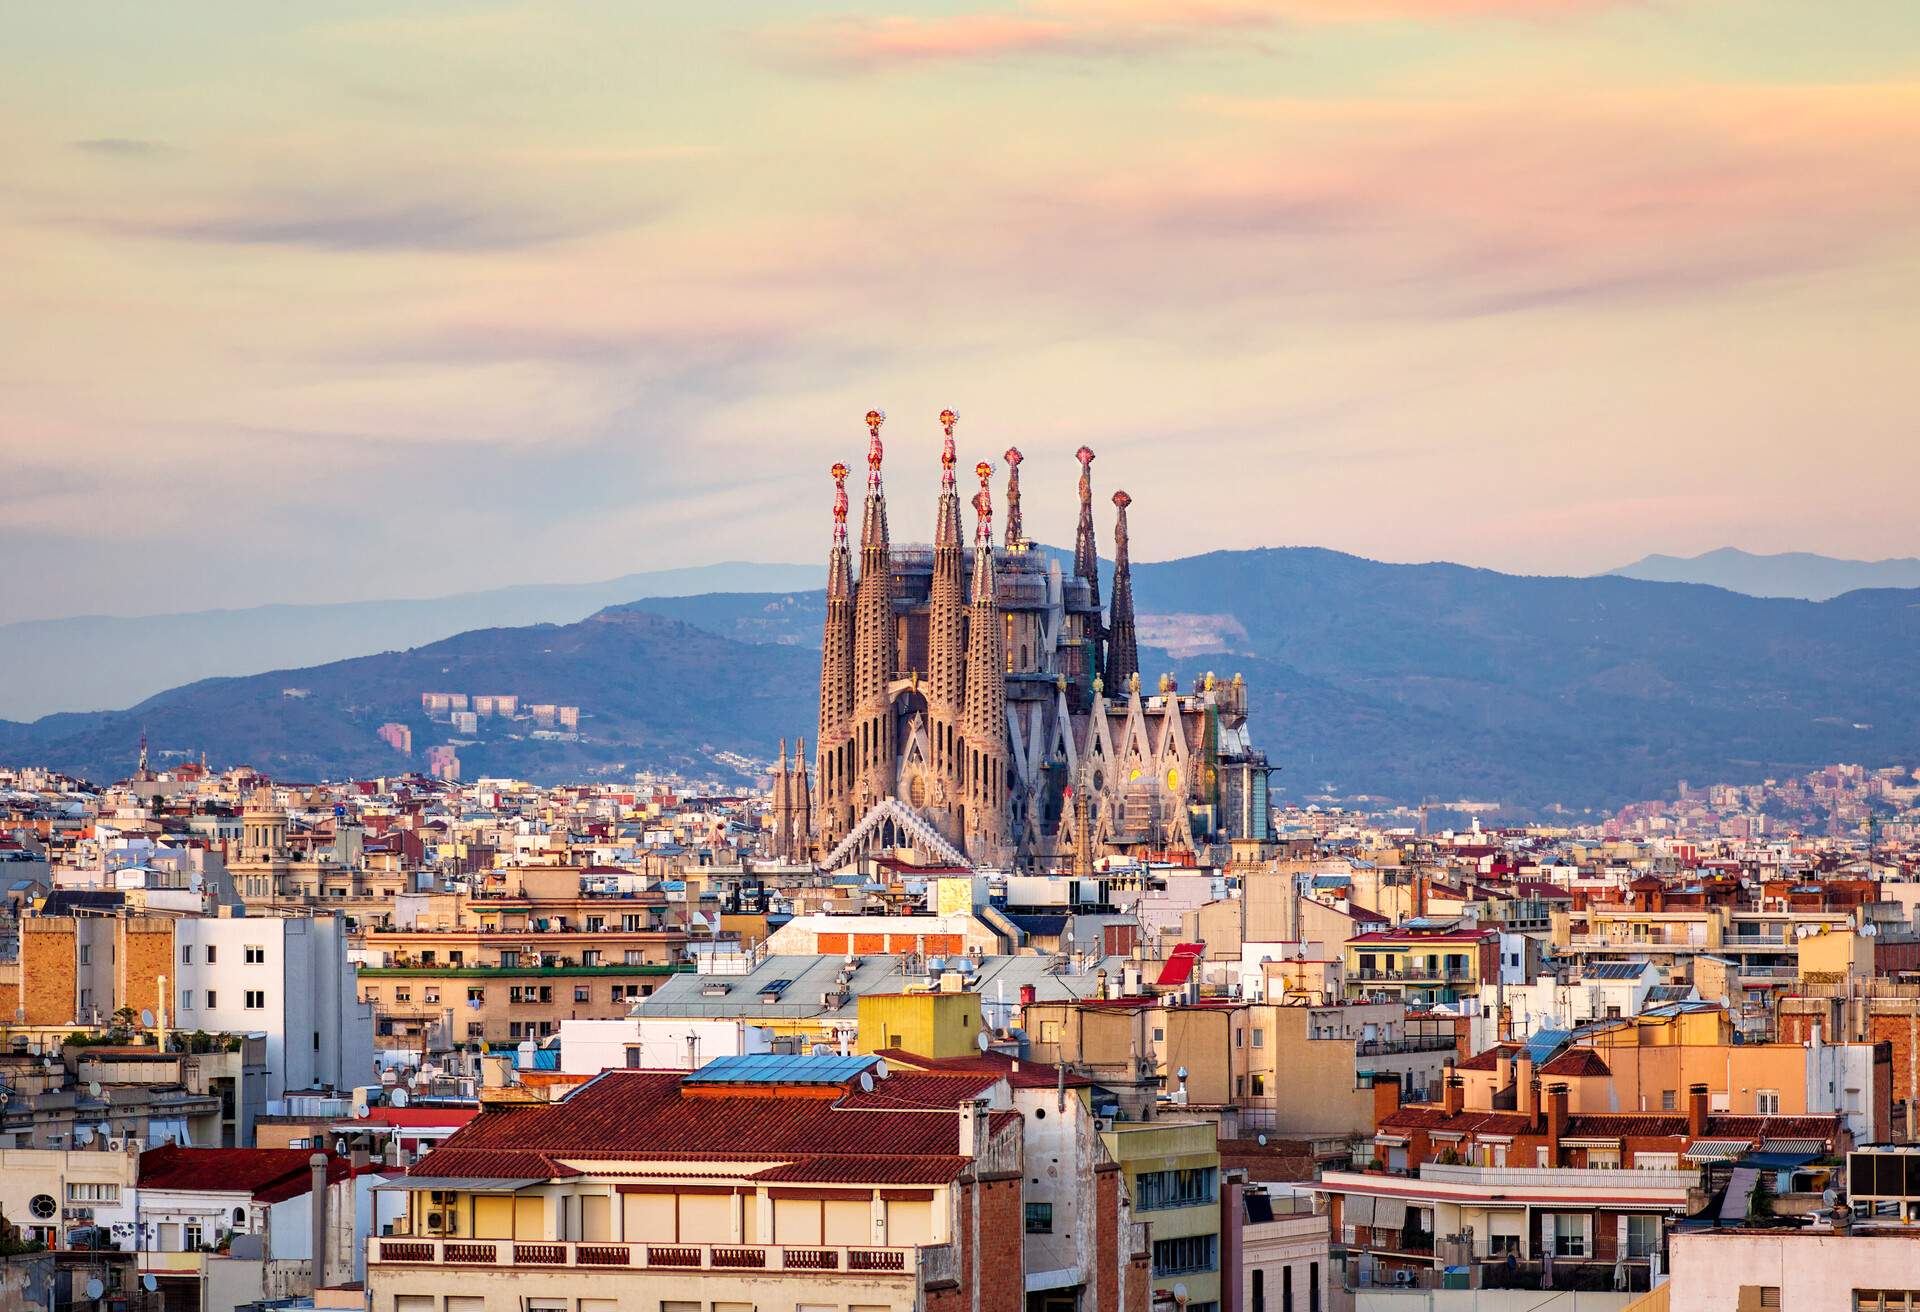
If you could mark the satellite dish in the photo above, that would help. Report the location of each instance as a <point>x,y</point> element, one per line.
<point>146,1017</point>
<point>95,1289</point>
<point>1180,1292</point>
<point>149,1283</point>
<point>93,1088</point>
<point>866,1081</point>
<point>398,1097</point>
<point>1263,1141</point>
<point>83,1133</point>
<point>983,1040</point>
<point>1181,1073</point>
<point>880,1070</point>
<point>363,1111</point>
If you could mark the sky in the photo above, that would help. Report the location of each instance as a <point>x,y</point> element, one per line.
<point>316,303</point>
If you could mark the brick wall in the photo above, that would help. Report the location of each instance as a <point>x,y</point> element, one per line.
<point>47,956</point>
<point>1109,1261</point>
<point>145,954</point>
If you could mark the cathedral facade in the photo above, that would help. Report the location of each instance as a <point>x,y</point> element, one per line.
<point>980,707</point>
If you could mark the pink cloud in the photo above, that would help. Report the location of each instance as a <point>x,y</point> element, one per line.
<point>1110,27</point>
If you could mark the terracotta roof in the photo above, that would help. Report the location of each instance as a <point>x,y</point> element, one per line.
<point>624,1114</point>
<point>269,1175</point>
<point>1019,1075</point>
<point>1489,1060</point>
<point>868,1170</point>
<point>1576,1061</point>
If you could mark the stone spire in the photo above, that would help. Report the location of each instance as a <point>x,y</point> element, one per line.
<point>781,843</point>
<point>835,767</point>
<point>1086,565</point>
<point>946,642</point>
<point>800,803</point>
<point>1016,531</point>
<point>873,640</point>
<point>1123,653</point>
<point>985,799</point>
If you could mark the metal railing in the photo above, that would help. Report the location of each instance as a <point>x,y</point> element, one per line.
<point>1413,1043</point>
<point>612,1255</point>
<point>1549,1177</point>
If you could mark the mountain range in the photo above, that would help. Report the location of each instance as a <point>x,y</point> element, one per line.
<point>1396,681</point>
<point>1799,574</point>
<point>91,661</point>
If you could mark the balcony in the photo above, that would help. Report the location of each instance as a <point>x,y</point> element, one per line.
<point>1555,1177</point>
<point>1395,1047</point>
<point>662,1258</point>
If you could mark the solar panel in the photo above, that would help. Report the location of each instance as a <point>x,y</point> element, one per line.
<point>782,1068</point>
<point>1542,1044</point>
<point>1615,970</point>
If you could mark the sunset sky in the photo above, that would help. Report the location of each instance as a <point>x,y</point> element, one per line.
<point>325,302</point>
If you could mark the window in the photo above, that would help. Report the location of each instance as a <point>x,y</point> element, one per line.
<point>433,997</point>
<point>1039,1218</point>
<point>1239,1038</point>
<point>86,954</point>
<point>476,1029</point>
<point>1643,1236</point>
<point>1286,1289</point>
<point>186,999</point>
<point>1259,1290</point>
<point>256,1000</point>
<point>82,1191</point>
<point>193,1235</point>
<point>1259,1081</point>
<point>633,1056</point>
<point>591,957</point>
<point>1754,1298</point>
<point>1571,1234</point>
<point>581,993</point>
<point>213,999</point>
<point>1667,1101</point>
<point>256,954</point>
<point>1184,1188</point>
<point>509,958</point>
<point>1313,1287</point>
<point>1189,1253</point>
<point>1259,1038</point>
<point>186,954</point>
<point>1886,1300</point>
<point>213,953</point>
<point>476,993</point>
<point>634,957</point>
<point>1766,1102</point>
<point>399,995</point>
<point>1159,1035</point>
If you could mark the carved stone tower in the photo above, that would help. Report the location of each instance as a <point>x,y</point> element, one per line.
<point>988,835</point>
<point>1123,652</point>
<point>875,765</point>
<point>1016,531</point>
<point>946,646</point>
<point>835,768</point>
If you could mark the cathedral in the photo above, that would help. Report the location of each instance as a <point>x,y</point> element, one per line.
<point>980,707</point>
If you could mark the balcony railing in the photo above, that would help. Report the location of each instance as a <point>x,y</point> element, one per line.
<point>1558,1177</point>
<point>506,1253</point>
<point>1414,1043</point>
<point>1420,974</point>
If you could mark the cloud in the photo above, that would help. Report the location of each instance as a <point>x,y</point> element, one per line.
<point>120,147</point>
<point>378,222</point>
<point>1097,28</point>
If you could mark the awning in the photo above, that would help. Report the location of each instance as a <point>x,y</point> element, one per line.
<point>1357,1210</point>
<point>1391,1140</point>
<point>1390,1214</point>
<point>1812,1147</point>
<point>1776,1161</point>
<point>1716,1150</point>
<point>477,1184</point>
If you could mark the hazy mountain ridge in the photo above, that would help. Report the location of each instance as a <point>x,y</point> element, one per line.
<point>81,663</point>
<point>1801,574</point>
<point>1396,680</point>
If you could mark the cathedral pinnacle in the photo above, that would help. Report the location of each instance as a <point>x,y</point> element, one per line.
<point>948,419</point>
<point>983,507</point>
<point>1016,531</point>
<point>875,451</point>
<point>840,472</point>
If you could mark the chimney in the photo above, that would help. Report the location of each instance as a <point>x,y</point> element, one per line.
<point>1696,1111</point>
<point>319,1212</point>
<point>1386,1096</point>
<point>1556,1121</point>
<point>973,1125</point>
<point>1456,1095</point>
<point>1526,1089</point>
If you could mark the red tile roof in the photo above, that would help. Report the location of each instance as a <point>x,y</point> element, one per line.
<point>1576,1062</point>
<point>624,1114</point>
<point>269,1175</point>
<point>1018,1075</point>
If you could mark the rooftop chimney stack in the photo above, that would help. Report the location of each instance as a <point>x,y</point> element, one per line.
<point>973,1123</point>
<point>319,1213</point>
<point>1556,1121</point>
<point>1456,1094</point>
<point>1696,1111</point>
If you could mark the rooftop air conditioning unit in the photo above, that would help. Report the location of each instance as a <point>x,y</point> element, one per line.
<point>438,1223</point>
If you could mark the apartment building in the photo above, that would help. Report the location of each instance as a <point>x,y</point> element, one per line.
<point>1257,1067</point>
<point>436,1007</point>
<point>775,1182</point>
<point>1172,1170</point>
<point>288,978</point>
<point>1422,965</point>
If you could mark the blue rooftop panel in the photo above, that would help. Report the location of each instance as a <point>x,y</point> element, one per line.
<point>781,1068</point>
<point>1542,1044</point>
